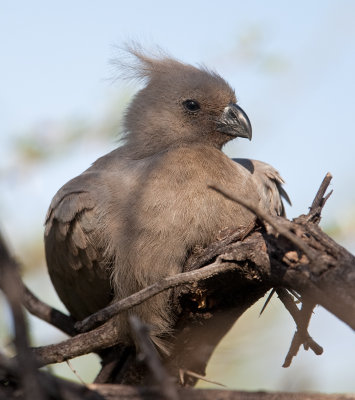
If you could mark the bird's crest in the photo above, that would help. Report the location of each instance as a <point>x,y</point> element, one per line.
<point>135,63</point>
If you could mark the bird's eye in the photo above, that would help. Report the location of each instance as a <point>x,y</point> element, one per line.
<point>191,105</point>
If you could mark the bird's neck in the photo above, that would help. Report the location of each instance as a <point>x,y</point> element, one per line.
<point>139,150</point>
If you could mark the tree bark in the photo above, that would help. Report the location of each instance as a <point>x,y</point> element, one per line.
<point>294,258</point>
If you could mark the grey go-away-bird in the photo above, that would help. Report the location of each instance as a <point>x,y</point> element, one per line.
<point>136,214</point>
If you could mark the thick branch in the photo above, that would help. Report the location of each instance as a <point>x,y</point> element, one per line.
<point>121,392</point>
<point>302,258</point>
<point>327,261</point>
<point>100,338</point>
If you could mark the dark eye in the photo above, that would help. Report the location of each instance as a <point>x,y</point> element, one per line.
<point>191,105</point>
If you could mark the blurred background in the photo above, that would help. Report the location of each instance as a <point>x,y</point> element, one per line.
<point>292,65</point>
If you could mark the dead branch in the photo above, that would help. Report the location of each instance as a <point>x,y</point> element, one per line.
<point>122,392</point>
<point>100,338</point>
<point>105,335</point>
<point>222,281</point>
<point>275,263</point>
<point>151,358</point>
<point>281,225</point>
<point>320,200</point>
<point>150,291</point>
<point>46,313</point>
<point>301,318</point>
<point>11,375</point>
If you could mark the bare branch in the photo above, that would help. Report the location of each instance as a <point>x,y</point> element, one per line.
<point>100,338</point>
<point>151,358</point>
<point>106,335</point>
<point>46,313</point>
<point>301,318</point>
<point>319,201</point>
<point>197,260</point>
<point>198,376</point>
<point>55,388</point>
<point>150,291</point>
<point>123,392</point>
<point>75,372</point>
<point>253,262</point>
<point>281,225</point>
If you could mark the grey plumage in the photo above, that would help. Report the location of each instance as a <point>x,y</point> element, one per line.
<point>136,214</point>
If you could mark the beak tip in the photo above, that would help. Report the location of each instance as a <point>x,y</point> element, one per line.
<point>236,122</point>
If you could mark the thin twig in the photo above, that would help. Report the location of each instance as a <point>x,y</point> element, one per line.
<point>152,290</point>
<point>301,318</point>
<point>213,250</point>
<point>295,294</point>
<point>273,221</point>
<point>46,313</point>
<point>289,304</point>
<point>75,372</point>
<point>319,201</point>
<point>198,376</point>
<point>151,358</point>
<point>267,301</point>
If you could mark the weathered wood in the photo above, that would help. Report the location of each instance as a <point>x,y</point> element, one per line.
<point>219,284</point>
<point>49,314</point>
<point>122,392</point>
<point>239,277</point>
<point>100,338</point>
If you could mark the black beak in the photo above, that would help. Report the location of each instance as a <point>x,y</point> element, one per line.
<point>234,122</point>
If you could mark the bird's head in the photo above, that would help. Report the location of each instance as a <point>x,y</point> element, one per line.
<point>181,104</point>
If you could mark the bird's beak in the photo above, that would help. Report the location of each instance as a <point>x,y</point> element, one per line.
<point>234,122</point>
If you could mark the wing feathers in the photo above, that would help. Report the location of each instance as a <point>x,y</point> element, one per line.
<point>269,185</point>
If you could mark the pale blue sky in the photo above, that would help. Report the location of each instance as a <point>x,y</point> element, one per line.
<point>55,65</point>
<point>291,63</point>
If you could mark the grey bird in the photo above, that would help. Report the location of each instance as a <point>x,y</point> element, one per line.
<point>136,214</point>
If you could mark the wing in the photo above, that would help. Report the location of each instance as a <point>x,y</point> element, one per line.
<point>75,256</point>
<point>269,184</point>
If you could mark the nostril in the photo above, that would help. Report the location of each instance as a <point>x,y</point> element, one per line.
<point>231,113</point>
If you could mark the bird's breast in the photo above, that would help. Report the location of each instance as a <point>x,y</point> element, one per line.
<point>176,198</point>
